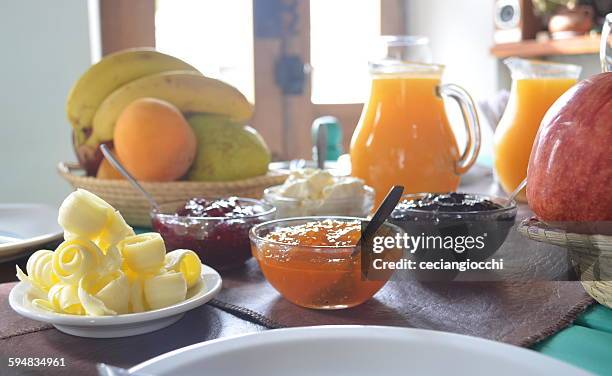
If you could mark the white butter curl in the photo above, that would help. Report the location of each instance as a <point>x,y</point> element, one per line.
<point>64,298</point>
<point>136,303</point>
<point>84,214</point>
<point>93,305</point>
<point>111,262</point>
<point>165,289</point>
<point>115,230</point>
<point>75,259</point>
<point>114,292</point>
<point>40,270</point>
<point>143,253</point>
<point>186,262</point>
<point>43,304</point>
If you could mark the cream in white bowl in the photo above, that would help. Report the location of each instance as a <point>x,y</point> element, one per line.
<point>315,192</point>
<point>123,325</point>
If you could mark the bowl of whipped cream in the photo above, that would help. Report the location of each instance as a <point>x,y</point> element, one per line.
<point>316,192</point>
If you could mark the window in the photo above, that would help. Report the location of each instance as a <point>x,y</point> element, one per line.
<point>340,48</point>
<point>214,36</point>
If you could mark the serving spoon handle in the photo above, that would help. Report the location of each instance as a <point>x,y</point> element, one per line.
<point>116,164</point>
<point>516,191</point>
<point>382,213</point>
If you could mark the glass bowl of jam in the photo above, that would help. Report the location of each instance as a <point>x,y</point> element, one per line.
<point>216,229</point>
<point>456,226</point>
<point>315,262</point>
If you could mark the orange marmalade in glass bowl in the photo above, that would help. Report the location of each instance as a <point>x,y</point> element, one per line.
<point>315,262</point>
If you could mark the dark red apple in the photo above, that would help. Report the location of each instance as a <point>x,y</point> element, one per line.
<point>570,168</point>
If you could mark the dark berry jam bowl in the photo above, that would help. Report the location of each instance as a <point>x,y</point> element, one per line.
<point>456,215</point>
<point>222,242</point>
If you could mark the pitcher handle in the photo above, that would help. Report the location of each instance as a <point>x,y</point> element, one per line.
<point>470,120</point>
<point>606,43</point>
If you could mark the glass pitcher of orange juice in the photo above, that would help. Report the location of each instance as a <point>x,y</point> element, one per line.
<point>535,86</point>
<point>403,136</point>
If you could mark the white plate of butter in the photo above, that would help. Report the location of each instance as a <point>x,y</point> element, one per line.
<point>122,325</point>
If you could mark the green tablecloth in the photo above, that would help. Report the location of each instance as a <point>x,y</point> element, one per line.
<point>586,344</point>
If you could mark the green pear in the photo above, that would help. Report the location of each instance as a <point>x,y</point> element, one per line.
<point>226,150</point>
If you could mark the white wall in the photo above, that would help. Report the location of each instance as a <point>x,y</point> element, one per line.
<point>460,35</point>
<point>45,47</point>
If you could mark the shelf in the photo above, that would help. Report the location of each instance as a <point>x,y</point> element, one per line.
<point>588,44</point>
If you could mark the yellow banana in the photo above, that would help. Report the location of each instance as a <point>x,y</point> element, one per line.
<point>110,73</point>
<point>188,91</point>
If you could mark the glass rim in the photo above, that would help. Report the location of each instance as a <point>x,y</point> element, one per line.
<point>253,236</point>
<point>404,64</point>
<point>404,40</point>
<point>270,191</point>
<point>548,69</point>
<point>270,209</point>
<point>395,68</point>
<point>503,209</point>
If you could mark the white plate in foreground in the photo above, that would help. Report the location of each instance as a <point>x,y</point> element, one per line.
<point>24,226</point>
<point>120,325</point>
<point>355,351</point>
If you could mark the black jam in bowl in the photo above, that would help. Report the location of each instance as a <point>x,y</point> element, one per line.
<point>447,202</point>
<point>216,229</point>
<point>459,216</point>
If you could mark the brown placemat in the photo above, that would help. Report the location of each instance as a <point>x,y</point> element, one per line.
<point>517,313</point>
<point>12,324</point>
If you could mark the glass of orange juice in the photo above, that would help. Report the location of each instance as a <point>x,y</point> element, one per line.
<point>403,136</point>
<point>535,87</point>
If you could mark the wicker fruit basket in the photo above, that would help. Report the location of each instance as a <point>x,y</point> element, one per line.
<point>135,209</point>
<point>590,254</point>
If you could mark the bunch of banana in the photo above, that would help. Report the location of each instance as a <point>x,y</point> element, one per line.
<point>106,88</point>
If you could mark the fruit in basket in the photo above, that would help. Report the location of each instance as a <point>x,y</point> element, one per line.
<point>110,73</point>
<point>188,91</point>
<point>100,80</point>
<point>154,141</point>
<point>107,171</point>
<point>570,169</point>
<point>226,150</point>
